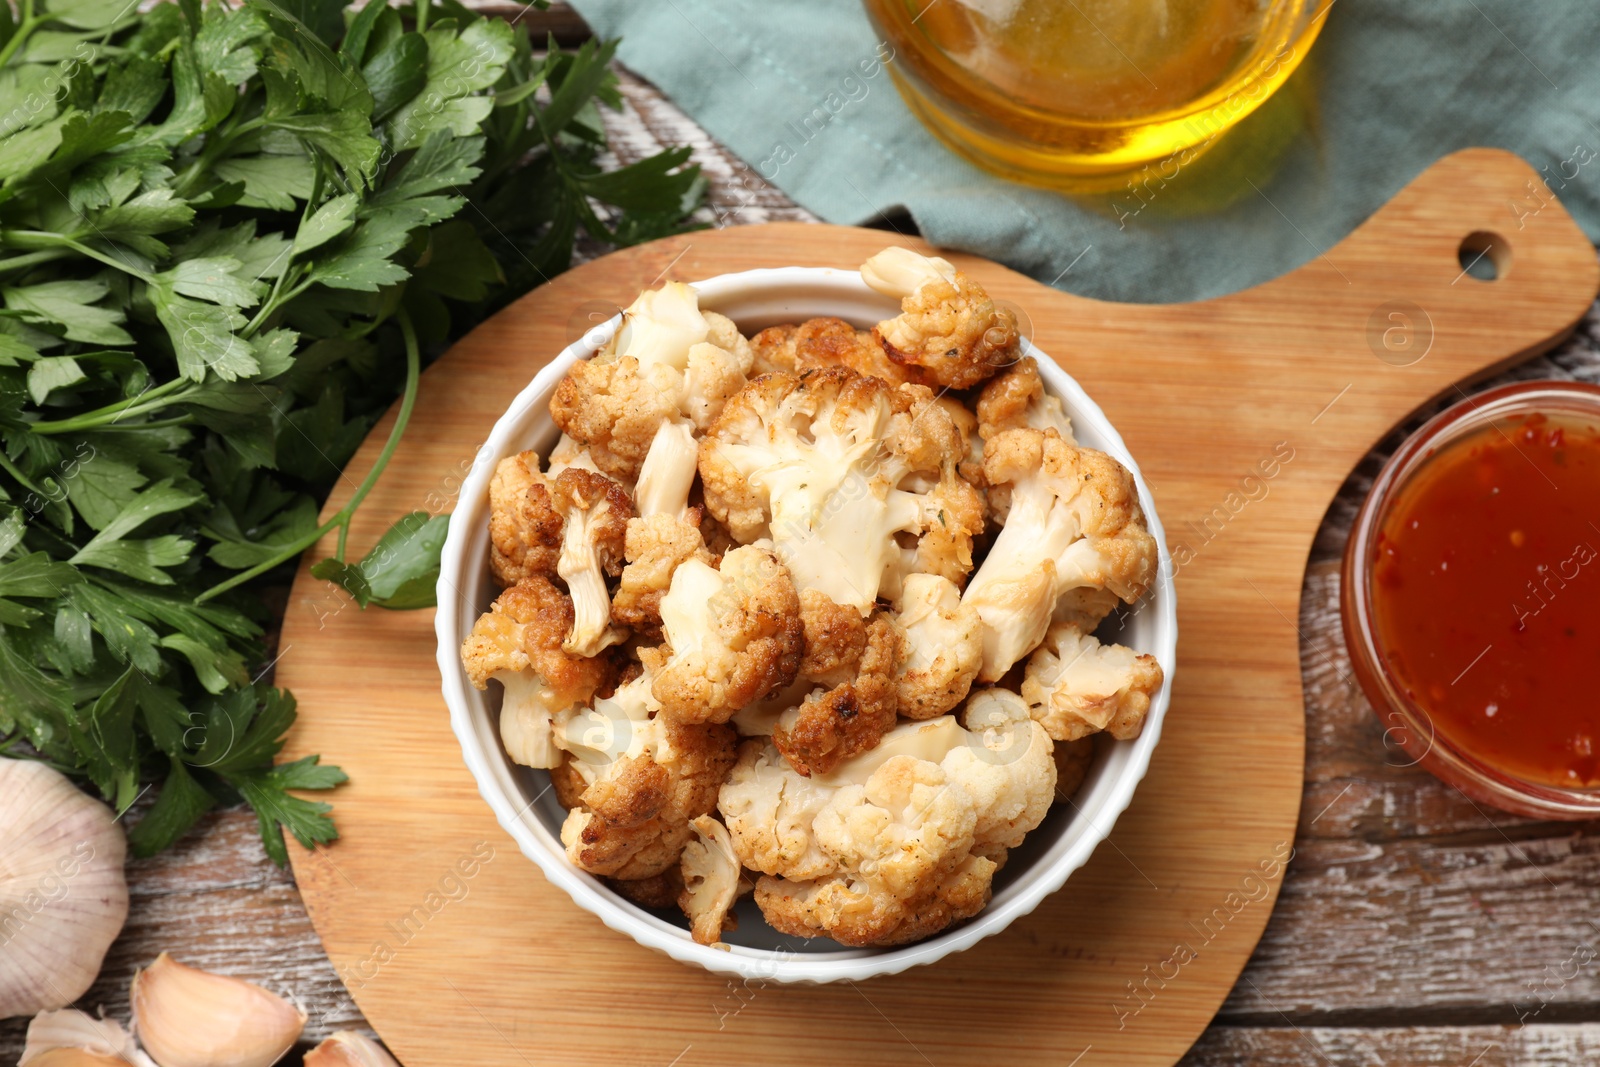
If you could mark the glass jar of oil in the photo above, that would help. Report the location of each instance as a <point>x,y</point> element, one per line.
<point>1059,92</point>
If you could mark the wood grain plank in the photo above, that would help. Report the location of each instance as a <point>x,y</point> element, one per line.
<point>1465,1046</point>
<point>1495,922</point>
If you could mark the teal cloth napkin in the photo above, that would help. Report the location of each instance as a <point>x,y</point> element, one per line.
<point>1388,89</point>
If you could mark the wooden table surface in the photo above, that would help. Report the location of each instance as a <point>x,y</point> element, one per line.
<point>1414,926</point>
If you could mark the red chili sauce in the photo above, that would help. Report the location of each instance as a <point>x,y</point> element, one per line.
<point>1486,597</point>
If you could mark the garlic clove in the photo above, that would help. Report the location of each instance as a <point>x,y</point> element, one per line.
<point>186,1017</point>
<point>63,897</point>
<point>73,1039</point>
<point>346,1048</point>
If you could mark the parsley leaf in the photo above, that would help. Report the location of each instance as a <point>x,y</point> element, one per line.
<point>232,235</point>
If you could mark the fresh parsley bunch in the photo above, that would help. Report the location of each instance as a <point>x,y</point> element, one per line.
<point>227,236</point>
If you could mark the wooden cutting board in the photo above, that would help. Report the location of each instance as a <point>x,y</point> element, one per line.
<point>459,952</point>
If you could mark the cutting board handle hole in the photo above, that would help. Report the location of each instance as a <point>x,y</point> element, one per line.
<point>1485,256</point>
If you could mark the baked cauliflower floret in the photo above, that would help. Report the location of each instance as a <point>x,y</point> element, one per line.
<point>952,516</point>
<point>569,453</point>
<point>941,649</point>
<point>857,912</point>
<point>832,725</point>
<point>655,547</point>
<point>769,809</point>
<point>970,466</point>
<point>667,474</point>
<point>835,638</point>
<point>894,844</point>
<point>657,891</point>
<point>902,828</point>
<point>524,526</point>
<point>1074,522</point>
<point>1085,607</point>
<point>948,332</point>
<point>1016,399</point>
<point>571,524</point>
<point>732,636</point>
<point>518,642</point>
<point>646,778</point>
<point>711,876</point>
<point>664,533</point>
<point>1007,768</point>
<point>832,466</point>
<point>1075,686</point>
<point>822,343</point>
<point>595,511</point>
<point>669,362</point>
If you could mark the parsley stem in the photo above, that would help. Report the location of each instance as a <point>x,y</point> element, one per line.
<point>33,259</point>
<point>216,147</point>
<point>272,303</point>
<point>160,424</point>
<point>342,517</point>
<point>151,399</point>
<point>422,16</point>
<point>44,239</point>
<point>27,26</point>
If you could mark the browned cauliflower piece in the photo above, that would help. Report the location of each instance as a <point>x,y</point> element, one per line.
<point>949,332</point>
<point>595,511</point>
<point>646,778</point>
<point>1009,771</point>
<point>892,845</point>
<point>835,638</point>
<point>524,526</point>
<point>970,466</point>
<point>655,547</point>
<point>664,533</point>
<point>822,343</point>
<point>1017,399</point>
<point>1075,686</point>
<point>829,726</point>
<point>854,912</point>
<point>768,809</point>
<point>732,636</point>
<point>1074,522</point>
<point>941,650</point>
<point>569,453</point>
<point>1085,607</point>
<point>667,475</point>
<point>719,540</point>
<point>518,642</point>
<point>952,518</point>
<point>657,891</point>
<point>712,879</point>
<point>571,525</point>
<point>669,362</point>
<point>834,467</point>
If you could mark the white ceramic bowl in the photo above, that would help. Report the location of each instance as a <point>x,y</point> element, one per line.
<point>521,797</point>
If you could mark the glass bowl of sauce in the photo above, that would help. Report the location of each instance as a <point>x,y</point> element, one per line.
<point>1471,598</point>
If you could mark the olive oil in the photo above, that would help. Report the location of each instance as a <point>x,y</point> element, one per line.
<point>1052,91</point>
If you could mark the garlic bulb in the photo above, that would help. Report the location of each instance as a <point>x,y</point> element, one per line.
<point>186,1017</point>
<point>63,898</point>
<point>346,1048</point>
<point>73,1039</point>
